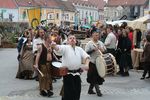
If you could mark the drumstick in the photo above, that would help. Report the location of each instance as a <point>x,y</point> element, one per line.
<point>98,49</point>
<point>40,72</point>
<point>55,57</point>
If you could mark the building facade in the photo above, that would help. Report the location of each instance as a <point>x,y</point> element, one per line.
<point>88,10</point>
<point>124,9</point>
<point>8,11</point>
<point>54,11</point>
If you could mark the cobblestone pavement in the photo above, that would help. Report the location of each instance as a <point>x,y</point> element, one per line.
<point>114,87</point>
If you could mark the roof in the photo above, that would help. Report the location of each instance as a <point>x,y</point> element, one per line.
<point>8,4</point>
<point>97,3</point>
<point>125,2</point>
<point>41,3</point>
<point>66,5</point>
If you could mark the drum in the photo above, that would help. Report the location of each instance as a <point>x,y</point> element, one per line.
<point>58,70</point>
<point>106,65</point>
<point>110,69</point>
<point>101,66</point>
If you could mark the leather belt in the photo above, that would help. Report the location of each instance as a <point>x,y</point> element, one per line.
<point>75,71</point>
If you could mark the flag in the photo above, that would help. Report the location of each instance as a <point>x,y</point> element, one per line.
<point>90,20</point>
<point>34,16</point>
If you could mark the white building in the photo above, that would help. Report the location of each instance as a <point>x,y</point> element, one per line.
<point>124,9</point>
<point>8,11</point>
<point>89,10</point>
<point>85,11</point>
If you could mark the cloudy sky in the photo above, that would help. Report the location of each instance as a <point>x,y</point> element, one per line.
<point>105,0</point>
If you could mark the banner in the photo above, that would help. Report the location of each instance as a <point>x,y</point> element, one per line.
<point>34,16</point>
<point>90,20</point>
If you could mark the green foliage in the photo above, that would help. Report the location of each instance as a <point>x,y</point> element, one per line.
<point>11,30</point>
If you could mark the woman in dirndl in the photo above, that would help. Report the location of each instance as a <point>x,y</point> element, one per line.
<point>25,58</point>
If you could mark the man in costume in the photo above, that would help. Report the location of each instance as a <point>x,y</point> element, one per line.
<point>93,48</point>
<point>72,57</point>
<point>42,64</point>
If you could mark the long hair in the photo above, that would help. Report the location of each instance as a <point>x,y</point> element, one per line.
<point>37,33</point>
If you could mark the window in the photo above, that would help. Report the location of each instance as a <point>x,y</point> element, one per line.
<point>82,14</point>
<point>24,15</point>
<point>90,14</point>
<point>116,13</point>
<point>96,18</point>
<point>50,16</point>
<point>11,17</point>
<point>57,16</point>
<point>66,16</point>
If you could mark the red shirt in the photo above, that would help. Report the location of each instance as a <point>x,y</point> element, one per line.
<point>130,35</point>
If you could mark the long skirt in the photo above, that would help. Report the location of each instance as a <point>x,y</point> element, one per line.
<point>25,69</point>
<point>92,75</point>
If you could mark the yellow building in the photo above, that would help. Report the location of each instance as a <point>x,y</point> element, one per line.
<point>53,11</point>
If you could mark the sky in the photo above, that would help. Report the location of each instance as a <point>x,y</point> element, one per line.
<point>105,0</point>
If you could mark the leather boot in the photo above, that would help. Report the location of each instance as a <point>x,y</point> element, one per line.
<point>98,90</point>
<point>90,91</point>
<point>50,93</point>
<point>43,93</point>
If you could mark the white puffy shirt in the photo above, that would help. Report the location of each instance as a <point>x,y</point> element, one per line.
<point>35,42</point>
<point>72,58</point>
<point>111,39</point>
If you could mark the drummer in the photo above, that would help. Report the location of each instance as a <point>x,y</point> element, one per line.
<point>72,56</point>
<point>92,48</point>
<point>42,63</point>
<point>37,40</point>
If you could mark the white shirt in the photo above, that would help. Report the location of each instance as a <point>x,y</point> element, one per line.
<point>111,40</point>
<point>72,58</point>
<point>36,42</point>
<point>90,46</point>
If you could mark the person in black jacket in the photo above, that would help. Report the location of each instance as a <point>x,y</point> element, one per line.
<point>124,47</point>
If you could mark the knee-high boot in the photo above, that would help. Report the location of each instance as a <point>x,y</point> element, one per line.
<point>98,90</point>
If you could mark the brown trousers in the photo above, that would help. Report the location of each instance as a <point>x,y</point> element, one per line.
<point>45,82</point>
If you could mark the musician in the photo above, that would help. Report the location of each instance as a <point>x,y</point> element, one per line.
<point>42,62</point>
<point>92,48</point>
<point>72,56</point>
<point>37,40</point>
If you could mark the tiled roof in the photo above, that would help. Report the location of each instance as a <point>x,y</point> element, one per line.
<point>66,5</point>
<point>42,3</point>
<point>97,3</point>
<point>8,4</point>
<point>126,2</point>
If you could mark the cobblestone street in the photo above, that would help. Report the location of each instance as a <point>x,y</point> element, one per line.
<point>114,87</point>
